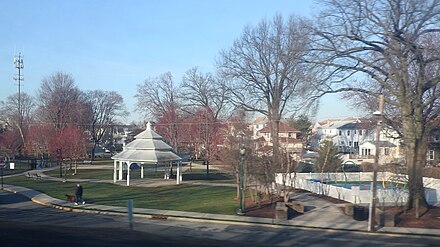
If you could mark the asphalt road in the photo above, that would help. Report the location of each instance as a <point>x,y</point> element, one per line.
<point>24,223</point>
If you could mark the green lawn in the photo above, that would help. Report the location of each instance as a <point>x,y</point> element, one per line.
<point>204,199</point>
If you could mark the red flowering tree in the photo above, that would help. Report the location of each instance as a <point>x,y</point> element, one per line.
<point>37,140</point>
<point>71,143</point>
<point>10,143</point>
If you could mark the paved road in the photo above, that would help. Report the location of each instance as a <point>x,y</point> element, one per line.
<point>24,223</point>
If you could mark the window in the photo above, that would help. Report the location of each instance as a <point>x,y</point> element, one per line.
<point>348,132</point>
<point>356,144</point>
<point>360,132</point>
<point>355,132</point>
<point>386,151</point>
<point>350,143</point>
<point>342,143</point>
<point>431,155</point>
<point>366,152</point>
<point>340,132</point>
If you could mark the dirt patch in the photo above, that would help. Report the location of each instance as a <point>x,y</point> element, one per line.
<point>265,209</point>
<point>428,218</point>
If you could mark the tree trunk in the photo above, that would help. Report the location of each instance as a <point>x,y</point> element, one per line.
<point>274,131</point>
<point>93,151</point>
<point>416,144</point>
<point>416,156</point>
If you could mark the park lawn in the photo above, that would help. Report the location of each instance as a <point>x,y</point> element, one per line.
<point>203,199</point>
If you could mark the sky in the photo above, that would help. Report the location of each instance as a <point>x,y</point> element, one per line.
<point>114,45</point>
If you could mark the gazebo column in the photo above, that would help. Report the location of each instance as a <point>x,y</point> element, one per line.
<point>179,173</point>
<point>120,169</point>
<point>142,170</point>
<point>114,171</point>
<point>128,173</point>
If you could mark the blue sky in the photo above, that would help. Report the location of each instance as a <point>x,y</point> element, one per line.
<point>117,44</point>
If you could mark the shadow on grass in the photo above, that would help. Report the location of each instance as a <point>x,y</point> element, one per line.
<point>212,176</point>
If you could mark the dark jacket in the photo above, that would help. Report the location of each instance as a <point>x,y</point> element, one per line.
<point>79,191</point>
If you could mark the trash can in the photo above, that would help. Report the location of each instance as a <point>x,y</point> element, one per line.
<point>358,212</point>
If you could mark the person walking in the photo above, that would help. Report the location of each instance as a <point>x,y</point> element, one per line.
<point>79,194</point>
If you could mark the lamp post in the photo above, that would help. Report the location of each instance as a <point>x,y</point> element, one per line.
<point>372,209</point>
<point>240,211</point>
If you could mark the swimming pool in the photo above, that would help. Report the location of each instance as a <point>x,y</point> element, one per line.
<point>366,185</point>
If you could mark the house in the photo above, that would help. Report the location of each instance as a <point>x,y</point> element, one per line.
<point>388,152</point>
<point>433,155</point>
<point>355,138</point>
<point>289,139</point>
<point>258,124</point>
<point>347,134</point>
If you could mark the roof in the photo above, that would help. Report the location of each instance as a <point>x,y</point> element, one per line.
<point>148,146</point>
<point>284,128</point>
<point>382,143</point>
<point>260,119</point>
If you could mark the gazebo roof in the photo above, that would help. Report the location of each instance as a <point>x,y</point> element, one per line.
<point>149,147</point>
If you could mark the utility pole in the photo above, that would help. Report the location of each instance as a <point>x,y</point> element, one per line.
<point>19,65</point>
<point>372,210</point>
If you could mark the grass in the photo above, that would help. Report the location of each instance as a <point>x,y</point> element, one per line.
<point>203,199</point>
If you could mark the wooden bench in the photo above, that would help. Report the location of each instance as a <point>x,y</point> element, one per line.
<point>37,176</point>
<point>28,175</point>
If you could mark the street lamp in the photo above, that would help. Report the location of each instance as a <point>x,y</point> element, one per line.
<point>373,203</point>
<point>240,211</point>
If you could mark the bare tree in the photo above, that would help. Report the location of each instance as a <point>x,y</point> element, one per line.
<point>157,98</point>
<point>204,90</point>
<point>387,47</point>
<point>60,102</point>
<point>265,70</point>
<point>18,120</point>
<point>105,107</point>
<point>205,97</point>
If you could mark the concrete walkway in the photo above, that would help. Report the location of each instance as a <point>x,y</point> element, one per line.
<point>321,214</point>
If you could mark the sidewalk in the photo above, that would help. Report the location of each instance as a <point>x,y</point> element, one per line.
<point>323,215</point>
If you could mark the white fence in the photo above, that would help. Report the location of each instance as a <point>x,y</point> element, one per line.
<point>387,197</point>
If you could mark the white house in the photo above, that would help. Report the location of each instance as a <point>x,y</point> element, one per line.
<point>355,138</point>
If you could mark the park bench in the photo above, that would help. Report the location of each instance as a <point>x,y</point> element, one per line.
<point>35,176</point>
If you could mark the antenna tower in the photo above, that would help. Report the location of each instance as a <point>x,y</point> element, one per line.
<point>18,63</point>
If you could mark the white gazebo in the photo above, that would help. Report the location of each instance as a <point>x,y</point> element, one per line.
<point>147,147</point>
